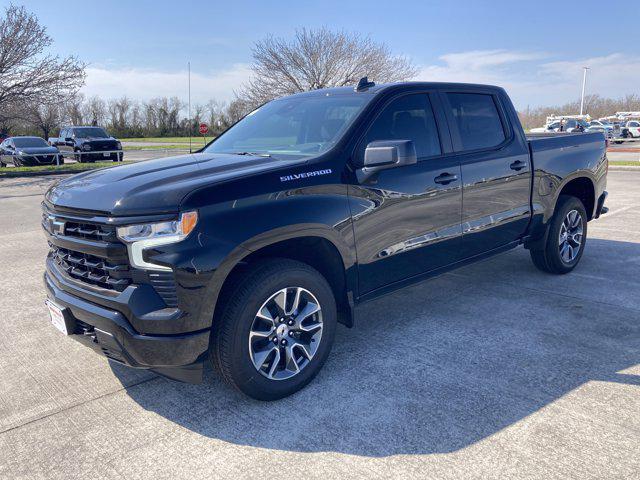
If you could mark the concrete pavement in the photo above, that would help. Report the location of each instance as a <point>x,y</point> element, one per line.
<point>492,371</point>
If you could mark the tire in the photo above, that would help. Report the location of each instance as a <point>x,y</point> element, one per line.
<point>240,337</point>
<point>77,157</point>
<point>17,162</point>
<point>561,255</point>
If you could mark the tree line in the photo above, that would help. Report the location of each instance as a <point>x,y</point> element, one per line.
<point>123,117</point>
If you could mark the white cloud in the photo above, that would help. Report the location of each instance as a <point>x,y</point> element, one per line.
<point>480,59</point>
<point>145,84</point>
<point>531,79</point>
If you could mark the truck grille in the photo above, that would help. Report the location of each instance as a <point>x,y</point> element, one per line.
<point>91,269</point>
<point>91,231</point>
<point>89,251</point>
<point>103,145</point>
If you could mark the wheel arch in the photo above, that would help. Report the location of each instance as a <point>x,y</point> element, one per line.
<point>318,246</point>
<point>583,188</point>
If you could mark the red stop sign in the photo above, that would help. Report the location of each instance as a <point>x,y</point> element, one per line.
<point>203,129</point>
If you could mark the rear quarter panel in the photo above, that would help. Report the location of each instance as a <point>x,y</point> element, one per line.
<point>559,159</point>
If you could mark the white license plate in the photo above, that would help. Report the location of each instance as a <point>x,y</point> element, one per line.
<point>106,154</point>
<point>57,317</point>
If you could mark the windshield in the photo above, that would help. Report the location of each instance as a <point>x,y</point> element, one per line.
<point>27,142</point>
<point>89,132</point>
<point>294,126</point>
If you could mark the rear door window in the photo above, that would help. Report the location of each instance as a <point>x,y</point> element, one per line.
<point>477,120</point>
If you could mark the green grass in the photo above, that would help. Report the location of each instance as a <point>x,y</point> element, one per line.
<point>67,167</point>
<point>168,146</point>
<point>194,139</point>
<point>631,163</point>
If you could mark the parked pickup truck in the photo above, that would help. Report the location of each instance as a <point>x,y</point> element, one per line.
<point>248,253</point>
<point>87,144</point>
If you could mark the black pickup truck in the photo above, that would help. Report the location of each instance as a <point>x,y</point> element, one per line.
<point>249,252</point>
<point>87,144</point>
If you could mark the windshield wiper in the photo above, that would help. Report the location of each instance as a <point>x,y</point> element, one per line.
<point>251,153</point>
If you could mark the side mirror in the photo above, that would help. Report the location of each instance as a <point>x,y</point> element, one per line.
<point>385,154</point>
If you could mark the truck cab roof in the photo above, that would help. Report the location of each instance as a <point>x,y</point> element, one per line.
<point>383,87</point>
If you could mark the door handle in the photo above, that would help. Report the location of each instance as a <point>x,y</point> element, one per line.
<point>518,165</point>
<point>445,178</point>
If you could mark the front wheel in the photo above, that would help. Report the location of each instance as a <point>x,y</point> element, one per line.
<point>566,238</point>
<point>276,329</point>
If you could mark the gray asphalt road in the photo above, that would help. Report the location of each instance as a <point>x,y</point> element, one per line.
<point>493,371</point>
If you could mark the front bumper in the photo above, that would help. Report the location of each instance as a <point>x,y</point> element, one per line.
<point>35,160</point>
<point>109,332</point>
<point>98,156</point>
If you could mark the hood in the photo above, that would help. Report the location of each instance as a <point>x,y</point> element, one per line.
<point>38,150</point>
<point>97,139</point>
<point>154,186</point>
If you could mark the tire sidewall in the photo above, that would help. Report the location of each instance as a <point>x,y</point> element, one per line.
<point>245,375</point>
<point>565,205</point>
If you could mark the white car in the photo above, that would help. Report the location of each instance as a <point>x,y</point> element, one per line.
<point>634,128</point>
<point>568,125</point>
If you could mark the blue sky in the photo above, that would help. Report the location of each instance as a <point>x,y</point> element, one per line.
<point>534,49</point>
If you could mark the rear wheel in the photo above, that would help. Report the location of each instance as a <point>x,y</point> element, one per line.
<point>276,329</point>
<point>566,238</point>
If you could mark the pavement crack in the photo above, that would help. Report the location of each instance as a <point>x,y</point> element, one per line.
<point>79,404</point>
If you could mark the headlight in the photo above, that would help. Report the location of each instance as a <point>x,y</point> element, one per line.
<point>86,147</point>
<point>140,237</point>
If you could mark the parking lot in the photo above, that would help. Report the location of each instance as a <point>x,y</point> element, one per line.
<point>492,371</point>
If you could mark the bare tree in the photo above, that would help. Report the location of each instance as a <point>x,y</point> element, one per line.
<point>162,116</point>
<point>27,73</point>
<point>45,117</point>
<point>217,117</point>
<point>119,111</point>
<point>73,109</point>
<point>316,59</point>
<point>94,111</point>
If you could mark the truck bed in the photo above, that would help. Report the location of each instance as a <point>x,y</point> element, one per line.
<point>557,140</point>
<point>533,136</point>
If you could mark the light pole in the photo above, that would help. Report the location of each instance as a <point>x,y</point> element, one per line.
<point>584,83</point>
<point>189,113</point>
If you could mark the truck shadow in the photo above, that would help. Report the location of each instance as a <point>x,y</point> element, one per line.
<point>440,366</point>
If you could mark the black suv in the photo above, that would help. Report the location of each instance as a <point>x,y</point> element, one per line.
<point>88,144</point>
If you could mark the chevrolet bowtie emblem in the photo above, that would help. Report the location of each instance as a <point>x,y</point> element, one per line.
<point>56,226</point>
